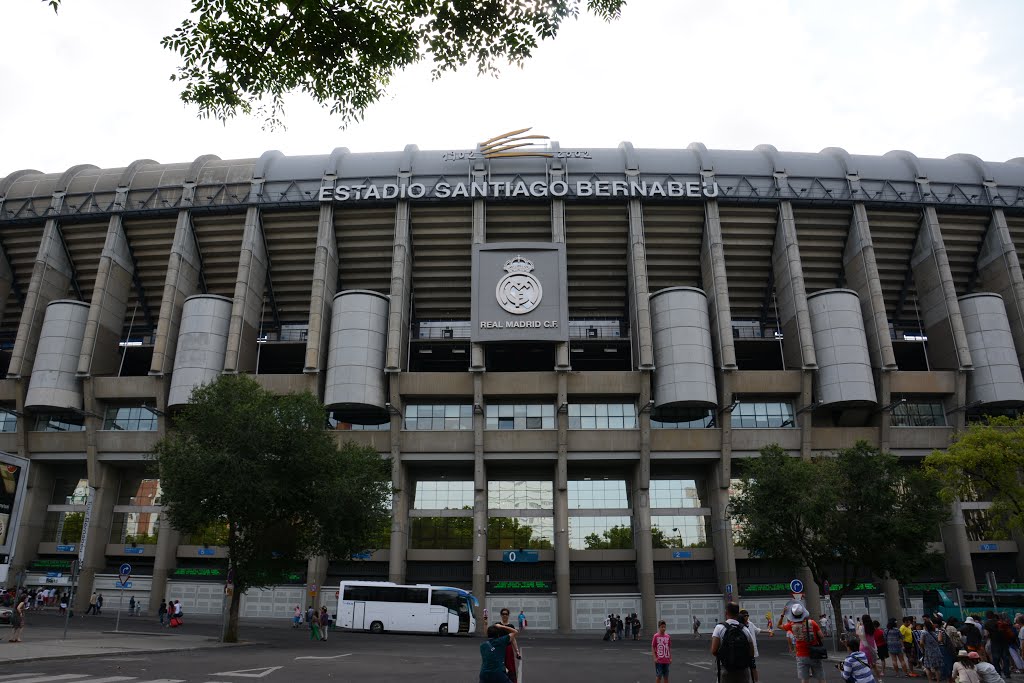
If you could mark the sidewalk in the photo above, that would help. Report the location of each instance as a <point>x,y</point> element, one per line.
<point>101,644</point>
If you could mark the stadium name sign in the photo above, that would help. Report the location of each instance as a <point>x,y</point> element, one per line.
<point>512,189</point>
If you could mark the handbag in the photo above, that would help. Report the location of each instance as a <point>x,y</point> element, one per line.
<point>814,651</point>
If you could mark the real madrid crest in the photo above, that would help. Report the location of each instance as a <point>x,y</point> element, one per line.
<point>518,292</point>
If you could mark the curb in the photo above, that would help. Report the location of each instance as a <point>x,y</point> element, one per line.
<point>114,653</point>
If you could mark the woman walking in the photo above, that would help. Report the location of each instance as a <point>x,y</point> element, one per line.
<point>866,634</point>
<point>314,626</point>
<point>931,642</point>
<point>18,621</point>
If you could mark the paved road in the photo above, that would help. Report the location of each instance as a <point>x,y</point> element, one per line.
<point>284,655</point>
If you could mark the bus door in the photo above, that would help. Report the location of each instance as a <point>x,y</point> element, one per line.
<point>464,612</point>
<point>358,615</point>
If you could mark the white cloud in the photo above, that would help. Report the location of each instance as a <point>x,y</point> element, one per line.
<point>91,85</point>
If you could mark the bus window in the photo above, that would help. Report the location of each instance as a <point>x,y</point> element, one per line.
<point>443,598</point>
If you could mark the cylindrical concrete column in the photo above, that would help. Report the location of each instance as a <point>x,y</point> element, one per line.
<point>202,342</point>
<point>53,383</point>
<point>996,378</point>
<point>683,359</point>
<point>844,374</point>
<point>355,356</point>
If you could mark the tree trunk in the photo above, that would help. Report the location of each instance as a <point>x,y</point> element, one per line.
<point>231,625</point>
<point>836,600</point>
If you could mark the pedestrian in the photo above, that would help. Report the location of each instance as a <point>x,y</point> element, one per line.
<point>161,611</point>
<point>131,606</point>
<point>855,668</point>
<point>297,617</point>
<point>768,620</point>
<point>1000,637</point>
<point>92,604</point>
<point>178,611</point>
<point>629,626</point>
<point>18,621</point>
<point>986,672</point>
<point>619,627</point>
<point>608,630</point>
<point>63,604</point>
<point>868,645</point>
<point>314,626</point>
<point>512,653</point>
<point>522,621</point>
<point>325,623</point>
<point>309,613</point>
<point>637,627</point>
<point>754,632</point>
<point>972,635</point>
<point>99,604</point>
<point>492,653</point>
<point>695,622</point>
<point>826,625</point>
<point>954,642</point>
<point>732,647</point>
<point>661,651</point>
<point>894,646</point>
<point>806,632</point>
<point>932,643</point>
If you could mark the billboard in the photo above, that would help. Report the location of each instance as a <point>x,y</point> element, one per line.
<point>13,480</point>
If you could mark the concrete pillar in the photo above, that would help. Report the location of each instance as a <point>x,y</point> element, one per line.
<point>639,293</point>
<point>164,562</point>
<point>184,267</point>
<point>30,529</point>
<point>104,478</point>
<point>861,270</point>
<point>798,343</point>
<point>804,420</point>
<point>999,271</point>
<point>316,574</point>
<point>100,352</point>
<point>6,278</point>
<point>325,286</point>
<point>401,492</point>
<point>479,504</point>
<point>247,307</point>
<point>957,550</point>
<point>940,312</point>
<point>51,279</point>
<point>718,498</point>
<point>642,539</point>
<point>563,360</point>
<point>561,512</point>
<point>716,287</point>
<point>401,291</point>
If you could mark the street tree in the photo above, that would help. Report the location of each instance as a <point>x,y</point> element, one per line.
<point>857,514</point>
<point>263,468</point>
<point>237,56</point>
<point>985,462</point>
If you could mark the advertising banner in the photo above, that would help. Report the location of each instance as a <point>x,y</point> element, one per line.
<point>13,480</point>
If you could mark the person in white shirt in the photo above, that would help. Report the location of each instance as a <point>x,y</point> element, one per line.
<point>754,630</point>
<point>724,654</point>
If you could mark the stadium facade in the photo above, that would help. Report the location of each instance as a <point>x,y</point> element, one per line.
<point>563,352</point>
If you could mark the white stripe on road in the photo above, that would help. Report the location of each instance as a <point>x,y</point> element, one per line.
<point>9,676</point>
<point>347,654</point>
<point>36,678</point>
<point>111,679</point>
<point>700,665</point>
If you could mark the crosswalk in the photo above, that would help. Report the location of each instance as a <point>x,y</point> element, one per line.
<point>80,678</point>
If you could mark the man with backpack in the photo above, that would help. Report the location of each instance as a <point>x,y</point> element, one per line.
<point>732,647</point>
<point>806,633</point>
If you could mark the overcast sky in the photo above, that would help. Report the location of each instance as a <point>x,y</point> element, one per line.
<point>937,77</point>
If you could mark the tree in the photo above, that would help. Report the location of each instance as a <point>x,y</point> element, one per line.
<point>858,514</point>
<point>343,54</point>
<point>985,462</point>
<point>508,533</point>
<point>619,536</point>
<point>264,467</point>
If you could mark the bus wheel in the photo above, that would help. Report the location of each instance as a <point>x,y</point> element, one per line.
<point>443,630</point>
<point>376,627</point>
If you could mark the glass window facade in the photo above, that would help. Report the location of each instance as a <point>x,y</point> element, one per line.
<point>69,491</point>
<point>443,495</point>
<point>919,412</point>
<point>980,526</point>
<point>679,531</point>
<point>758,414</point>
<point>689,419</point>
<point>139,492</point>
<point>441,533</point>
<point>600,533</point>
<point>139,528</point>
<point>341,422</point>
<point>520,416</point>
<point>512,533</point>
<point>520,495</point>
<point>129,419</point>
<point>8,421</point>
<point>438,417</point>
<point>63,527</point>
<point>598,494</point>
<point>59,423</point>
<point>676,493</point>
<point>602,416</point>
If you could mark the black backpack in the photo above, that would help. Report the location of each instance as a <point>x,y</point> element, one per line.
<point>734,650</point>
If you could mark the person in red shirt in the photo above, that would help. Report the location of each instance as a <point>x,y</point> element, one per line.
<point>661,650</point>
<point>806,632</point>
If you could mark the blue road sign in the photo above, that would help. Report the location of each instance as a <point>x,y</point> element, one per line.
<point>65,549</point>
<point>128,550</point>
<point>520,556</point>
<point>989,546</point>
<point>126,584</point>
<point>124,569</point>
<point>53,574</point>
<point>207,551</point>
<point>681,554</point>
<point>796,585</point>
<point>728,588</point>
<point>362,556</point>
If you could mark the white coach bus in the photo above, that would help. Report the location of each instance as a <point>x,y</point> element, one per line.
<point>379,606</point>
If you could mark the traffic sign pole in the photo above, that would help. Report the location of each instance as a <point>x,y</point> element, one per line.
<point>71,595</point>
<point>124,573</point>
